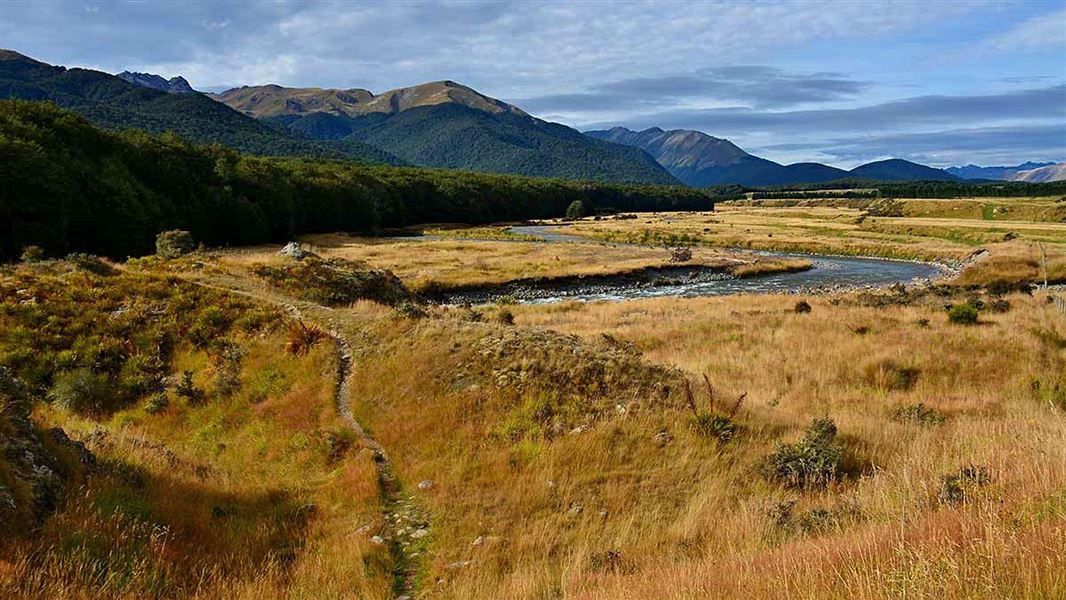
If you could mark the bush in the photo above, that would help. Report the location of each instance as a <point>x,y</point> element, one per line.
<point>185,389</point>
<point>918,414</point>
<point>505,316</point>
<point>174,243</point>
<point>814,461</point>
<point>957,487</point>
<point>82,392</point>
<point>302,337</point>
<point>156,404</point>
<point>962,314</point>
<point>888,375</point>
<point>802,307</point>
<point>576,210</point>
<point>32,254</point>
<point>719,427</point>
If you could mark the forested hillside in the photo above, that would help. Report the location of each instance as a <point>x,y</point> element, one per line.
<point>116,104</point>
<point>70,186</point>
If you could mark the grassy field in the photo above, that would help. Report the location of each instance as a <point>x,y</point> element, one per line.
<point>948,230</point>
<point>447,263</point>
<point>855,445</point>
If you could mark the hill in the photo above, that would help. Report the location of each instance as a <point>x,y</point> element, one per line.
<point>116,104</point>
<point>447,125</point>
<point>701,160</point>
<point>897,169</point>
<point>1052,172</point>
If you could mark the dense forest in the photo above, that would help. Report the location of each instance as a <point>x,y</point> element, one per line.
<point>69,186</point>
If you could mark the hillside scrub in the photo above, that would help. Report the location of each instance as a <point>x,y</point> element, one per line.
<point>334,281</point>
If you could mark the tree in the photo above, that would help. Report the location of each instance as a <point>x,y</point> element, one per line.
<point>576,210</point>
<point>174,243</point>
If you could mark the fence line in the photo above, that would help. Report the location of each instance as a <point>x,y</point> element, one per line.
<point>1060,303</point>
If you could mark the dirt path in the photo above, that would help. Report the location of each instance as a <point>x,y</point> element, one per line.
<point>406,526</point>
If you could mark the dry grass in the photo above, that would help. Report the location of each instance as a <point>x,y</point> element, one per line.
<point>235,498</point>
<point>439,264</point>
<point>832,230</point>
<point>563,458</point>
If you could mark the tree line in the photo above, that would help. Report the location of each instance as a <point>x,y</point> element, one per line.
<point>68,186</point>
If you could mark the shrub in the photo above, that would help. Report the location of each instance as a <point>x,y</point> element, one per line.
<point>918,414</point>
<point>888,375</point>
<point>174,243</point>
<point>713,423</point>
<point>32,254</point>
<point>410,310</point>
<point>814,461</point>
<point>185,389</point>
<point>82,392</point>
<point>90,263</point>
<point>962,314</point>
<point>505,316</point>
<point>302,337</point>
<point>576,210</point>
<point>956,487</point>
<point>802,307</point>
<point>156,404</point>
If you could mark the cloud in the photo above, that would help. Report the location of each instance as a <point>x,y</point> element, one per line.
<point>1036,33</point>
<point>758,86</point>
<point>919,111</point>
<point>982,145</point>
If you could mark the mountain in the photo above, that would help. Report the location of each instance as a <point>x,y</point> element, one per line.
<point>1052,172</point>
<point>1000,173</point>
<point>174,85</point>
<point>116,104</point>
<point>700,160</point>
<point>447,125</point>
<point>897,169</point>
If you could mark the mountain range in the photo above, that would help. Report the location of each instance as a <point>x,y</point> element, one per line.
<point>114,103</point>
<point>995,173</point>
<point>447,125</point>
<point>1048,172</point>
<point>699,160</point>
<point>440,124</point>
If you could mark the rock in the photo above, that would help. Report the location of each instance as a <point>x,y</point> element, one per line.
<point>425,484</point>
<point>377,539</point>
<point>575,508</point>
<point>479,540</point>
<point>457,565</point>
<point>295,252</point>
<point>663,437</point>
<point>420,533</point>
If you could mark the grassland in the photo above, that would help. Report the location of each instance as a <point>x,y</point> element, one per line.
<point>436,264</point>
<point>938,230</point>
<point>637,449</point>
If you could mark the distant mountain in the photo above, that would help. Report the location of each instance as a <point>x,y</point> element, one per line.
<point>447,125</point>
<point>701,160</point>
<point>897,169</point>
<point>117,104</point>
<point>1052,172</point>
<point>1000,173</point>
<point>174,85</point>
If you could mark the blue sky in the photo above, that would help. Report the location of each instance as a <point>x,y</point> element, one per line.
<point>841,82</point>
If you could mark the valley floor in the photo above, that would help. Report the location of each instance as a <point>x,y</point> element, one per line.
<point>857,445</point>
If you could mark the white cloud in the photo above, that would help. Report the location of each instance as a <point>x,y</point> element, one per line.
<point>1039,32</point>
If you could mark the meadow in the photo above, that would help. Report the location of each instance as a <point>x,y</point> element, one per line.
<point>867,444</point>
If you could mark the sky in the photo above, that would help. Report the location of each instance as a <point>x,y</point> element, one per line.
<point>841,82</point>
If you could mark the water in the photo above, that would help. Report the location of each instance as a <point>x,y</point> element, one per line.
<point>829,273</point>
